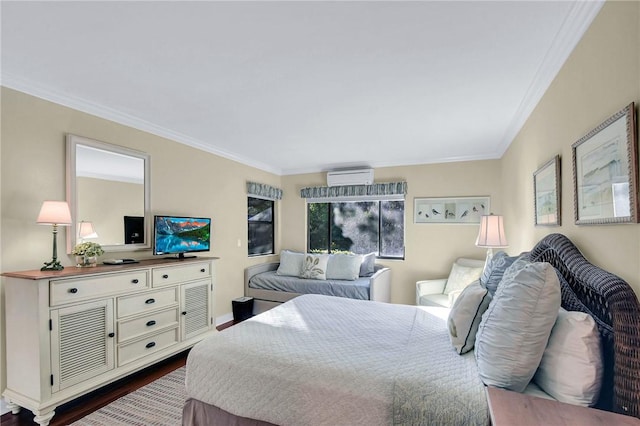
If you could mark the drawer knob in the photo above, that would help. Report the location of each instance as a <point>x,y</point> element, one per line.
<point>150,323</point>
<point>151,344</point>
<point>73,290</point>
<point>111,334</point>
<point>150,301</point>
<point>202,270</point>
<point>165,276</point>
<point>135,281</point>
<point>184,312</point>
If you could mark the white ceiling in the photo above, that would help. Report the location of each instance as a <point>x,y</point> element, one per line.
<point>293,87</point>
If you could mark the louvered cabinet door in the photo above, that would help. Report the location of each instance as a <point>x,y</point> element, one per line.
<point>195,308</point>
<point>82,343</point>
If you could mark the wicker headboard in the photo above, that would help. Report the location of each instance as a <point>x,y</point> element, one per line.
<point>614,306</point>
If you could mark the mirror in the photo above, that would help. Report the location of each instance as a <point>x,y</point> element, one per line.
<point>108,194</point>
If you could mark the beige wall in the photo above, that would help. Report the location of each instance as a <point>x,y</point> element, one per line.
<point>601,77</point>
<point>185,181</point>
<point>430,249</point>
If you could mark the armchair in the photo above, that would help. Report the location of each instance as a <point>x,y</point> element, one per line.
<point>444,291</point>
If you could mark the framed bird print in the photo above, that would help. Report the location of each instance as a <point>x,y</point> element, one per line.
<point>450,209</point>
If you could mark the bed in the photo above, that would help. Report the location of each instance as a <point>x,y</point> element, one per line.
<point>326,360</point>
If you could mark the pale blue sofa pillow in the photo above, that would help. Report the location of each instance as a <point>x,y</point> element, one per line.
<point>344,266</point>
<point>515,329</point>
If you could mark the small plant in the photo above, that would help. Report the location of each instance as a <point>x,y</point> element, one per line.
<point>87,249</point>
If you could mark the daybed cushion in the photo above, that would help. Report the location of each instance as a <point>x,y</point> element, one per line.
<point>367,268</point>
<point>514,330</point>
<point>356,289</point>
<point>290,263</point>
<point>460,277</point>
<point>343,266</point>
<point>571,367</point>
<point>465,316</point>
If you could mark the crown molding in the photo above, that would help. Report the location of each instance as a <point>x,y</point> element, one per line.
<point>576,23</point>
<point>40,91</point>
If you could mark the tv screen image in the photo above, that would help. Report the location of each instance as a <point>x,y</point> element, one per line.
<point>179,235</point>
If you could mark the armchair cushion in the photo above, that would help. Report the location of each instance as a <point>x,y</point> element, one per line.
<point>462,274</point>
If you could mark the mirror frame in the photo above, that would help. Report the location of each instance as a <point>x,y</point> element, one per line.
<point>72,142</point>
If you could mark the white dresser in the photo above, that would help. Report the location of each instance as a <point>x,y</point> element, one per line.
<point>75,330</point>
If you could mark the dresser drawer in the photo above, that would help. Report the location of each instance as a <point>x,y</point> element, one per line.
<point>177,274</point>
<point>132,351</point>
<point>149,323</point>
<point>151,300</point>
<point>72,290</point>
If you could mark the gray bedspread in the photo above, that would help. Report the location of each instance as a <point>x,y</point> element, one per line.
<point>319,360</point>
<point>356,289</point>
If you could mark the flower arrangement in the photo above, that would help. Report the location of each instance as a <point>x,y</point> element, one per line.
<point>87,249</point>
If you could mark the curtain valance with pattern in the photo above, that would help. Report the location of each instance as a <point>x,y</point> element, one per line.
<point>262,190</point>
<point>381,191</point>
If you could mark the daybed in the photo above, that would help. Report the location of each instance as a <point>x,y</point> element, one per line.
<point>263,283</point>
<point>327,360</point>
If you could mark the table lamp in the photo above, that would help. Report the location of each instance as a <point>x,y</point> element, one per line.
<point>491,234</point>
<point>54,213</point>
<point>86,231</point>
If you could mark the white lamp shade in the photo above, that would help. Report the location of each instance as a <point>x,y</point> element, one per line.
<point>54,213</point>
<point>491,233</point>
<point>85,230</point>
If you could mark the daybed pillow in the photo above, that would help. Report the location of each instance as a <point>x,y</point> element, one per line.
<point>571,367</point>
<point>493,271</point>
<point>460,277</point>
<point>315,266</point>
<point>343,267</point>
<point>290,263</point>
<point>465,316</point>
<point>367,268</point>
<point>514,330</point>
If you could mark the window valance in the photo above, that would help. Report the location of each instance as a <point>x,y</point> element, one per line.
<point>262,190</point>
<point>379,191</point>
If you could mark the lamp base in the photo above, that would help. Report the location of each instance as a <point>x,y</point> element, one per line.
<point>54,265</point>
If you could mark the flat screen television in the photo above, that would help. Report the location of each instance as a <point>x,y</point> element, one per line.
<point>177,235</point>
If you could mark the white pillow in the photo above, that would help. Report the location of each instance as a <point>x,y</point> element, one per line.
<point>343,267</point>
<point>514,330</point>
<point>571,368</point>
<point>465,316</point>
<point>460,277</point>
<point>315,266</point>
<point>290,263</point>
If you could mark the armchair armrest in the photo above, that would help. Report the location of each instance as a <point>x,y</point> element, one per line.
<point>429,287</point>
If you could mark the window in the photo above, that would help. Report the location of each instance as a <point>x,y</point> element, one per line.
<point>260,218</point>
<point>357,226</point>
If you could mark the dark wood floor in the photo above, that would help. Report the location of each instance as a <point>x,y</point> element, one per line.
<point>78,408</point>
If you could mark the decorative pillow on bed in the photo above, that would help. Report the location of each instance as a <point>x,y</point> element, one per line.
<point>315,266</point>
<point>514,330</point>
<point>460,277</point>
<point>571,367</point>
<point>290,263</point>
<point>465,316</point>
<point>343,266</point>
<point>367,268</point>
<point>492,273</point>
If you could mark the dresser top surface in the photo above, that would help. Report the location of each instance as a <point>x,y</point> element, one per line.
<point>73,271</point>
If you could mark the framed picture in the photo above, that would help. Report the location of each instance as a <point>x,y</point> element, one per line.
<point>605,172</point>
<point>546,189</point>
<point>450,209</point>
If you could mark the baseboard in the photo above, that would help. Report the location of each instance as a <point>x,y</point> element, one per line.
<point>223,319</point>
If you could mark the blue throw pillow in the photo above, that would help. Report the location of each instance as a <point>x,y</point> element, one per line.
<point>492,274</point>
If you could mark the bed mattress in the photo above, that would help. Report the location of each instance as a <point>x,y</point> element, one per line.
<point>322,360</point>
<point>356,289</point>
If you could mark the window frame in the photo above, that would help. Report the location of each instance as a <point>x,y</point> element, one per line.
<point>272,222</point>
<point>330,215</point>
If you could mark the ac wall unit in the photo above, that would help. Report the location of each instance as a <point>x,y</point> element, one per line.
<point>350,177</point>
